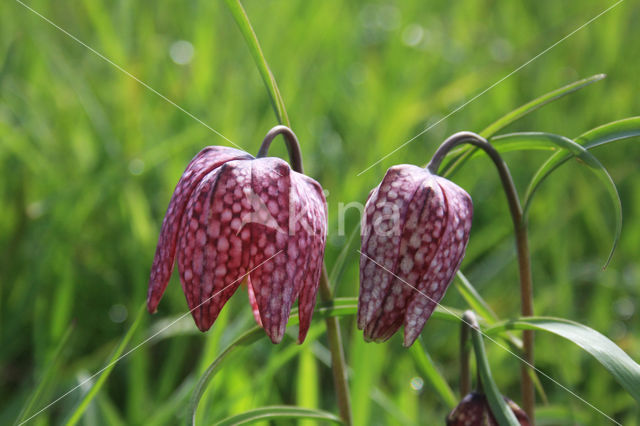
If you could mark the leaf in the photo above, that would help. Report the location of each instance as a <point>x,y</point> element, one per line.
<point>432,375</point>
<point>624,369</point>
<point>607,133</point>
<point>242,20</point>
<point>336,308</point>
<point>499,408</point>
<point>106,371</point>
<point>539,102</point>
<point>278,412</point>
<point>47,375</point>
<point>458,160</point>
<point>474,300</point>
<point>574,149</point>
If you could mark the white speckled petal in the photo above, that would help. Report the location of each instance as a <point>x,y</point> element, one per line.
<point>384,217</point>
<point>214,249</point>
<point>309,237</point>
<point>202,164</point>
<point>272,281</point>
<point>418,246</point>
<point>451,247</point>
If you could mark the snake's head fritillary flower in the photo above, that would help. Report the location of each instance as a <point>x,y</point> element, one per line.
<point>474,409</point>
<point>414,234</point>
<point>233,216</point>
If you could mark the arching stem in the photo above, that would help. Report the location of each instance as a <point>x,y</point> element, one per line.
<point>338,361</point>
<point>522,246</point>
<point>293,146</point>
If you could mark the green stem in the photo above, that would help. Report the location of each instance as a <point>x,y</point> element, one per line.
<point>338,362</point>
<point>522,247</point>
<point>465,370</point>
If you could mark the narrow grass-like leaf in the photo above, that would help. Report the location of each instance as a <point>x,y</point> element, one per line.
<point>474,300</point>
<point>624,369</point>
<point>278,412</point>
<point>607,133</point>
<point>242,20</point>
<point>499,408</point>
<point>461,157</point>
<point>574,149</point>
<point>539,102</point>
<point>47,375</point>
<point>338,307</point>
<point>77,413</point>
<point>432,375</point>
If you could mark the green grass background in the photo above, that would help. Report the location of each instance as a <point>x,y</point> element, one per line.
<point>90,157</point>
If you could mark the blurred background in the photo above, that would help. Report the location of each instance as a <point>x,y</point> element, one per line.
<point>90,158</point>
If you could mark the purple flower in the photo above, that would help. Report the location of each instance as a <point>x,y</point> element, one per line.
<point>414,234</point>
<point>474,409</point>
<point>232,217</point>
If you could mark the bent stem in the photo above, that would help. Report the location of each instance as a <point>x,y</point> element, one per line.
<point>522,247</point>
<point>338,362</point>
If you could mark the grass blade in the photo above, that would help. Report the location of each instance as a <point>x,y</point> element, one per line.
<point>433,376</point>
<point>242,20</point>
<point>278,412</point>
<point>499,407</point>
<point>47,375</point>
<point>474,300</point>
<point>624,369</point>
<point>458,160</point>
<point>80,409</point>
<point>574,149</point>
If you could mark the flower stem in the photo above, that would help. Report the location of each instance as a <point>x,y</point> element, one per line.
<point>522,247</point>
<point>465,371</point>
<point>338,362</point>
<point>293,146</point>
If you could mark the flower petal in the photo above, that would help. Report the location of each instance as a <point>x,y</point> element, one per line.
<point>308,239</point>
<point>271,279</point>
<point>384,217</point>
<point>418,246</point>
<point>202,164</point>
<point>444,265</point>
<point>214,249</point>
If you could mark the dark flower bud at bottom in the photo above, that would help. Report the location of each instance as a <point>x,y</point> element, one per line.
<point>474,410</point>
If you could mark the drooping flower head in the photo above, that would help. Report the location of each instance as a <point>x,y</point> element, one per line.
<point>233,216</point>
<point>414,233</point>
<point>474,409</point>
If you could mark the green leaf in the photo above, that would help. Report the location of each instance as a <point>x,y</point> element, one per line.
<point>432,375</point>
<point>47,375</point>
<point>336,308</point>
<point>278,412</point>
<point>574,149</point>
<point>607,133</point>
<point>474,300</point>
<point>242,20</point>
<point>539,102</point>
<point>624,369</point>
<point>106,371</point>
<point>461,157</point>
<point>499,408</point>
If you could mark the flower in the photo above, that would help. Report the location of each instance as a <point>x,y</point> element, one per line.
<point>474,409</point>
<point>233,216</point>
<point>414,234</point>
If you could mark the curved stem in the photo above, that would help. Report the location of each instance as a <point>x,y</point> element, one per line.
<point>293,146</point>
<point>522,246</point>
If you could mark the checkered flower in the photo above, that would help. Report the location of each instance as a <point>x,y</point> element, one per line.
<point>474,409</point>
<point>414,234</point>
<point>231,217</point>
